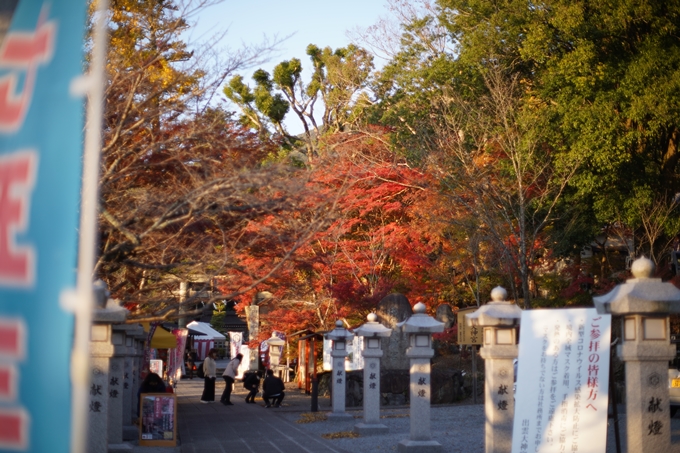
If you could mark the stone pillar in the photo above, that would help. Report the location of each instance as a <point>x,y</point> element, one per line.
<point>101,350</point>
<point>498,319</point>
<point>116,391</point>
<point>372,331</point>
<point>339,336</point>
<point>420,328</point>
<point>133,332</point>
<point>643,305</point>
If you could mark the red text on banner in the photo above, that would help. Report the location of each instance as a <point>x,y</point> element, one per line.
<point>17,173</point>
<point>22,52</point>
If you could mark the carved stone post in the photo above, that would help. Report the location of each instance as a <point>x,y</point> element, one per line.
<point>372,332</point>
<point>116,391</point>
<point>420,328</point>
<point>133,333</point>
<point>339,336</point>
<point>498,319</point>
<point>643,305</point>
<point>102,350</point>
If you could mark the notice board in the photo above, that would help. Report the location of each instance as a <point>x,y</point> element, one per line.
<point>158,421</point>
<point>562,381</point>
<point>156,366</point>
<point>468,334</point>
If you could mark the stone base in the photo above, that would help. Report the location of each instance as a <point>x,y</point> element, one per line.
<point>115,448</point>
<point>130,432</point>
<point>419,446</point>
<point>339,416</point>
<point>370,429</point>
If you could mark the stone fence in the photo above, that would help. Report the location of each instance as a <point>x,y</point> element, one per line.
<point>447,387</point>
<point>117,355</point>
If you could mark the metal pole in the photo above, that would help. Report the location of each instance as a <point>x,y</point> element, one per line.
<point>307,360</point>
<point>287,361</point>
<point>315,381</point>
<point>87,245</point>
<point>473,348</point>
<point>612,399</point>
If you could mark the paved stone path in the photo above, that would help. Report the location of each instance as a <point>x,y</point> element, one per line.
<point>250,428</point>
<point>215,428</point>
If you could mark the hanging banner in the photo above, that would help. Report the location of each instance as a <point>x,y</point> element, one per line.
<point>562,381</point>
<point>235,342</point>
<point>176,356</point>
<point>41,125</point>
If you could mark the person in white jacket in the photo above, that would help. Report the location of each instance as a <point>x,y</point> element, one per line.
<point>210,371</point>
<point>229,376</point>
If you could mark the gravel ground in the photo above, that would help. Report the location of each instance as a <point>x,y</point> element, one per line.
<point>458,428</point>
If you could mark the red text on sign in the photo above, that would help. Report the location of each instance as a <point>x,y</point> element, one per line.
<point>17,173</point>
<point>23,52</point>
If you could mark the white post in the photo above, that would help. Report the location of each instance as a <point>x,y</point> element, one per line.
<point>498,319</point>
<point>372,332</point>
<point>643,304</point>
<point>420,328</point>
<point>340,337</point>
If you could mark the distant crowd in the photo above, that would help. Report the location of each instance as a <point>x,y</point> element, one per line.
<point>273,388</point>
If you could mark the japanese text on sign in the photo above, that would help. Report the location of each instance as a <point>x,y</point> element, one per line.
<point>467,334</point>
<point>568,351</point>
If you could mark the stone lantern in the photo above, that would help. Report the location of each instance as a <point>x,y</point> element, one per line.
<point>275,351</point>
<point>420,328</point>
<point>340,337</point>
<point>498,320</point>
<point>372,331</point>
<point>643,305</point>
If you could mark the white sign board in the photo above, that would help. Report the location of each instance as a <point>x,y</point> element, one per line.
<point>562,381</point>
<point>156,366</point>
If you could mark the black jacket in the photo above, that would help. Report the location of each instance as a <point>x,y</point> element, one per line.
<point>252,381</point>
<point>272,386</point>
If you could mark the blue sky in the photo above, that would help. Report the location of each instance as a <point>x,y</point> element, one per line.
<point>320,22</point>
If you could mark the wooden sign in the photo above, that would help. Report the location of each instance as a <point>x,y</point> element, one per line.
<point>468,334</point>
<point>158,421</point>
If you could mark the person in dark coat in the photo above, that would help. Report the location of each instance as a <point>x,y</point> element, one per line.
<point>273,388</point>
<point>152,383</point>
<point>209,371</point>
<point>190,359</point>
<point>252,383</point>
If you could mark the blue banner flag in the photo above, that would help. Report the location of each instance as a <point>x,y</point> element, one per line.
<point>41,130</point>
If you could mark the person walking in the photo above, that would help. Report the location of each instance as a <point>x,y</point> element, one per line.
<point>273,388</point>
<point>229,376</point>
<point>210,371</point>
<point>252,383</point>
